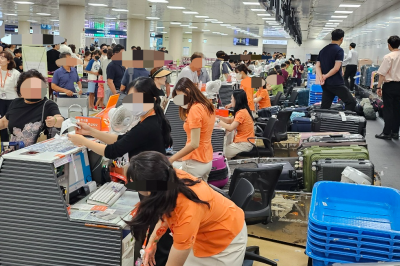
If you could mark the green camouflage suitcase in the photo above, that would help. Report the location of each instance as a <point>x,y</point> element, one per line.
<point>309,157</point>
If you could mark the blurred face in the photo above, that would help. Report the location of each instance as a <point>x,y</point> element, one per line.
<point>12,47</point>
<point>161,80</point>
<point>33,88</point>
<point>68,61</point>
<point>18,54</point>
<point>1,48</point>
<point>233,102</point>
<point>3,60</point>
<point>197,64</point>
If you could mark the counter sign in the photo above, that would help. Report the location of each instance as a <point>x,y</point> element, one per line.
<point>94,122</point>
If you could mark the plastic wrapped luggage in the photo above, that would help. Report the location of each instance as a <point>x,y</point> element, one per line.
<point>288,179</point>
<point>369,111</point>
<point>331,169</point>
<point>334,106</point>
<point>219,174</point>
<point>269,111</point>
<point>301,124</point>
<point>306,135</point>
<point>309,156</point>
<point>337,138</point>
<point>332,122</point>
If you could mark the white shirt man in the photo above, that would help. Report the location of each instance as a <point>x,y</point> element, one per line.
<point>64,48</point>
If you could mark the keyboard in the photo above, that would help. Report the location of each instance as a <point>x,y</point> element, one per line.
<point>53,145</point>
<point>107,194</point>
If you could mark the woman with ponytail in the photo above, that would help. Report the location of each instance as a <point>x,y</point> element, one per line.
<point>207,228</point>
<point>152,133</point>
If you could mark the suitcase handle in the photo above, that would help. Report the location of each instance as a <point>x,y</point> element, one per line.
<point>336,136</point>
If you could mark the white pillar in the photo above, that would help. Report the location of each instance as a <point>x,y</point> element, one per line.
<point>36,29</point>
<point>197,42</point>
<point>134,32</point>
<point>146,39</point>
<point>2,30</point>
<point>72,23</point>
<point>24,27</point>
<point>175,43</point>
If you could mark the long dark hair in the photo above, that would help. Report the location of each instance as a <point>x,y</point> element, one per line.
<point>194,95</point>
<point>151,166</point>
<point>147,86</point>
<point>243,68</point>
<point>241,102</point>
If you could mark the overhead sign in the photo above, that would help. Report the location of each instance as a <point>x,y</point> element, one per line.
<point>152,34</point>
<point>276,42</point>
<point>45,27</point>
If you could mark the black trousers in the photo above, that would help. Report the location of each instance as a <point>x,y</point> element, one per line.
<point>391,110</point>
<point>298,80</point>
<point>4,104</point>
<point>351,71</point>
<point>330,92</point>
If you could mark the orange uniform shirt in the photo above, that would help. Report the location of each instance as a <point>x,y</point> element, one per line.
<point>198,117</point>
<point>208,231</point>
<point>245,85</point>
<point>265,101</point>
<point>246,126</point>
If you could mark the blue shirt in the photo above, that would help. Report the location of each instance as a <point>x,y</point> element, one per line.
<point>65,79</point>
<point>138,72</point>
<point>327,57</point>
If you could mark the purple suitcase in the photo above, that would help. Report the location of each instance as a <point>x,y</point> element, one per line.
<point>219,172</point>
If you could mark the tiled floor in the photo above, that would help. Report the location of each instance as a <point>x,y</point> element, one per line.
<point>284,255</point>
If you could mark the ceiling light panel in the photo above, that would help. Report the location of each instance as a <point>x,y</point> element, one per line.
<point>346,5</point>
<point>258,9</point>
<point>176,7</point>
<point>190,12</point>
<point>23,3</point>
<point>343,12</point>
<point>120,10</point>
<point>264,15</point>
<point>153,18</point>
<point>338,16</point>
<point>158,1</point>
<point>96,4</point>
<point>202,16</point>
<point>251,3</point>
<point>175,23</point>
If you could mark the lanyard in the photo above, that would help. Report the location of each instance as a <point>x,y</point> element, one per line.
<point>140,260</point>
<point>1,79</point>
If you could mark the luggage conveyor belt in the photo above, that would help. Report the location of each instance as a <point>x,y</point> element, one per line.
<point>384,154</point>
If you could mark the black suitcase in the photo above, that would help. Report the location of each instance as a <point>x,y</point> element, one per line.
<point>334,106</point>
<point>331,170</point>
<point>338,122</point>
<point>288,180</point>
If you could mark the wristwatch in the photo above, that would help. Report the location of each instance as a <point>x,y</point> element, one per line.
<point>218,120</point>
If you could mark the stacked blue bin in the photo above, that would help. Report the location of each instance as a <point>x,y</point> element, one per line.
<point>316,95</point>
<point>350,223</point>
<point>357,80</point>
<point>310,80</point>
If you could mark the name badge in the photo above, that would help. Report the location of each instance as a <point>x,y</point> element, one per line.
<point>3,96</point>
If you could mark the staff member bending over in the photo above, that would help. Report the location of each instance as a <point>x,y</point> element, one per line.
<point>242,74</point>
<point>207,228</point>
<point>199,119</point>
<point>153,133</point>
<point>242,122</point>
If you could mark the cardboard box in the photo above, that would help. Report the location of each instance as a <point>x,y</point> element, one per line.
<point>287,148</point>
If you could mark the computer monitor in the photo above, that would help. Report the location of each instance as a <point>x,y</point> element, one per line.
<point>79,175</point>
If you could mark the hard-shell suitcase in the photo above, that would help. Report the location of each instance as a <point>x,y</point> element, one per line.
<point>269,111</point>
<point>288,179</point>
<point>287,148</point>
<point>219,174</point>
<point>303,97</point>
<point>304,136</point>
<point>331,169</point>
<point>301,124</point>
<point>311,155</point>
<point>324,122</point>
<point>334,106</point>
<point>337,138</point>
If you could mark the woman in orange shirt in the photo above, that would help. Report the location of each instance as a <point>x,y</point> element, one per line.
<point>207,228</point>
<point>198,114</point>
<point>242,74</point>
<point>242,122</point>
<point>262,98</point>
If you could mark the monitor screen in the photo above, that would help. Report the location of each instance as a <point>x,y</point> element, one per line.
<point>252,42</point>
<point>239,41</point>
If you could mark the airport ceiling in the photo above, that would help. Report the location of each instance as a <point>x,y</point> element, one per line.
<point>225,17</point>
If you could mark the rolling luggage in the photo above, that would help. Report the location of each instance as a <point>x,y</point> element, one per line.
<point>306,135</point>
<point>287,148</point>
<point>219,174</point>
<point>310,155</point>
<point>337,138</point>
<point>366,73</point>
<point>269,111</point>
<point>325,121</point>
<point>303,97</point>
<point>331,170</point>
<point>334,106</point>
<point>301,124</point>
<point>288,179</point>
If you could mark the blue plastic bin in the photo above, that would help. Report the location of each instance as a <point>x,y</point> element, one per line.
<point>358,207</point>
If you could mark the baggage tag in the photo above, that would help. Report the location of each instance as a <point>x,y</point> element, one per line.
<point>344,119</point>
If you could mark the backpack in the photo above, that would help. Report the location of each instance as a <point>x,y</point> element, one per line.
<point>222,76</point>
<point>122,94</point>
